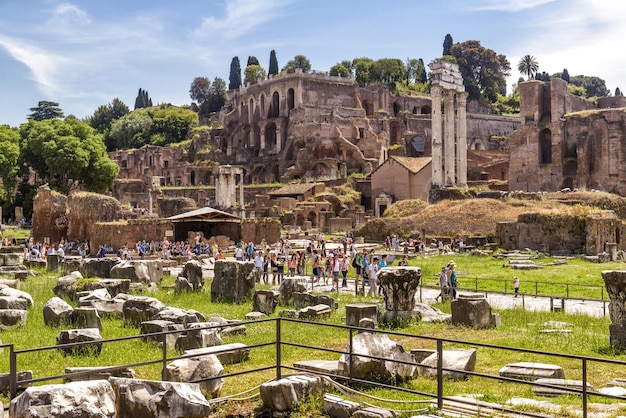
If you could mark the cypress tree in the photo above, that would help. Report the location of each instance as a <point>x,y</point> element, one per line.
<point>234,79</point>
<point>565,75</point>
<point>273,68</point>
<point>447,45</point>
<point>252,61</point>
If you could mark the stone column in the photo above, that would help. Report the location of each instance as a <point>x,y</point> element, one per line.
<point>262,135</point>
<point>399,286</point>
<point>448,142</point>
<point>615,282</point>
<point>437,138</point>
<point>279,142</point>
<point>232,190</point>
<point>461,141</point>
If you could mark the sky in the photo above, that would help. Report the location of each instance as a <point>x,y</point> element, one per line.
<point>83,54</point>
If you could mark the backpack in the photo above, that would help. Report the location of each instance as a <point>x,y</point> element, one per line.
<point>355,263</point>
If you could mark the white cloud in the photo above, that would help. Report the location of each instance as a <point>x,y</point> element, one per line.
<point>584,38</point>
<point>507,5</point>
<point>43,65</point>
<point>241,17</point>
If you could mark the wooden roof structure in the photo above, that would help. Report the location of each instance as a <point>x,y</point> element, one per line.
<point>205,214</point>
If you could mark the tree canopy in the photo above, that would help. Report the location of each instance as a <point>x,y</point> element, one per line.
<point>45,110</point>
<point>273,68</point>
<point>143,100</point>
<point>254,73</point>
<point>447,44</point>
<point>594,86</point>
<point>234,78</point>
<point>199,90</point>
<point>528,66</point>
<point>67,155</point>
<point>9,155</point>
<point>217,95</point>
<point>253,61</point>
<point>299,61</point>
<point>484,71</point>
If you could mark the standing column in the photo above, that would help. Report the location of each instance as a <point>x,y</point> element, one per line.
<point>437,139</point>
<point>448,143</point>
<point>461,144</point>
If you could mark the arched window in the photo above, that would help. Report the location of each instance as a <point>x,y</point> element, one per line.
<point>545,147</point>
<point>291,101</point>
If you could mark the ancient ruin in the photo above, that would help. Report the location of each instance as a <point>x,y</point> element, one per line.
<point>449,153</point>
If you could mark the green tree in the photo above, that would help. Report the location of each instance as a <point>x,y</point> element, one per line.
<point>528,66</point>
<point>594,86</point>
<point>45,110</point>
<point>68,155</point>
<point>618,92</point>
<point>565,75</point>
<point>9,155</point>
<point>484,71</point>
<point>422,77</point>
<point>447,44</point>
<point>104,115</point>
<point>170,124</point>
<point>217,95</point>
<point>299,61</point>
<point>252,61</point>
<point>143,100</point>
<point>363,70</point>
<point>412,68</point>
<point>234,78</point>
<point>273,68</point>
<point>388,70</point>
<point>254,73</point>
<point>199,91</point>
<point>130,131</point>
<point>339,70</point>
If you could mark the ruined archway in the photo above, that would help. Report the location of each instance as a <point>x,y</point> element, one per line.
<point>312,217</point>
<point>274,106</point>
<point>417,146</point>
<point>396,108</point>
<point>545,146</point>
<point>291,101</point>
<point>299,219</point>
<point>368,106</point>
<point>270,138</point>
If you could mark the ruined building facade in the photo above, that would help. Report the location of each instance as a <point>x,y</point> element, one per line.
<point>301,126</point>
<point>568,142</point>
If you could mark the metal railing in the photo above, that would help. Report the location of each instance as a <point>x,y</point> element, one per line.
<point>284,337</point>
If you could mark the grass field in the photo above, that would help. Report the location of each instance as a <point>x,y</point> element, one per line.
<point>588,336</point>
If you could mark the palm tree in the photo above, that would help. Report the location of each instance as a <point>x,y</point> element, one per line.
<point>528,65</point>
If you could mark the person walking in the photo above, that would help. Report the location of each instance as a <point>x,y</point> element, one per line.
<point>452,278</point>
<point>372,270</point>
<point>516,285</point>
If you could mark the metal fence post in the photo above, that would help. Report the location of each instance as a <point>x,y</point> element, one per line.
<point>164,358</point>
<point>13,371</point>
<point>439,374</point>
<point>278,349</point>
<point>584,388</point>
<point>350,355</point>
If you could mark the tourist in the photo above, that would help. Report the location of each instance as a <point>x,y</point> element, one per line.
<point>266,265</point>
<point>316,266</point>
<point>301,263</point>
<point>280,267</point>
<point>516,285</point>
<point>381,265</point>
<point>293,263</point>
<point>165,248</point>
<point>239,253</point>
<point>258,264</point>
<point>335,268</point>
<point>452,278</point>
<point>404,262</point>
<point>364,264</point>
<point>356,263</point>
<point>372,269</point>
<point>443,284</point>
<point>345,265</point>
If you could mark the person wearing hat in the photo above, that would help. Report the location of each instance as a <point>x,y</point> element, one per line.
<point>444,293</point>
<point>452,278</point>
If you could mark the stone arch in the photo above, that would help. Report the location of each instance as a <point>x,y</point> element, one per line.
<point>312,217</point>
<point>570,168</point>
<point>568,183</point>
<point>368,106</point>
<point>270,137</point>
<point>274,110</point>
<point>545,146</point>
<point>262,100</point>
<point>396,108</point>
<point>291,99</point>
<point>395,133</point>
<point>192,178</point>
<point>299,219</point>
<point>251,110</point>
<point>417,146</point>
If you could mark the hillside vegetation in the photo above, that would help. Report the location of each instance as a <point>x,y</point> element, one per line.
<point>478,217</point>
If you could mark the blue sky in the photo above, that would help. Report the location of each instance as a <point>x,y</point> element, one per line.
<point>83,54</point>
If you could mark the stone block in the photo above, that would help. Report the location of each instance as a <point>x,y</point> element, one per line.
<point>532,371</point>
<point>227,353</point>
<point>12,318</point>
<point>355,312</point>
<point>337,407</point>
<point>560,387</point>
<point>284,394</point>
<point>77,374</point>
<point>373,412</point>
<point>471,310</point>
<point>321,366</point>
<point>90,336</point>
